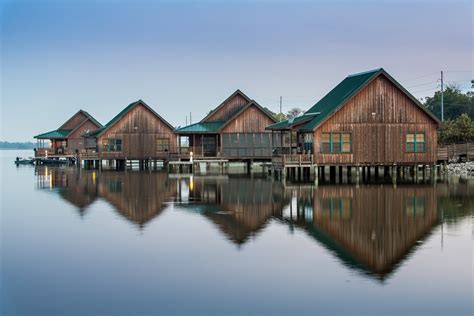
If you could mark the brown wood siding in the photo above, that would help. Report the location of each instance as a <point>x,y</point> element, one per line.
<point>252,120</point>
<point>379,139</point>
<point>139,143</point>
<point>84,127</point>
<point>74,121</point>
<point>75,141</point>
<point>230,107</point>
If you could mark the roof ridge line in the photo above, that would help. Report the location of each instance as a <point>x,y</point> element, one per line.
<point>365,72</point>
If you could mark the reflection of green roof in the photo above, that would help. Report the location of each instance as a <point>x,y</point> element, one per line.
<point>59,133</point>
<point>292,122</point>
<point>202,127</point>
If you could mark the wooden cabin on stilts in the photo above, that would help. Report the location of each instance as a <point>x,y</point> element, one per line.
<point>367,127</point>
<point>234,131</point>
<point>135,137</point>
<point>65,142</point>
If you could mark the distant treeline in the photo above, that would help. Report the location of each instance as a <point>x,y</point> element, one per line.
<point>17,145</point>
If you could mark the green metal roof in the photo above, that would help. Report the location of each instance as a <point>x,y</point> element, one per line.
<point>59,133</point>
<point>339,96</point>
<point>291,122</point>
<point>201,127</point>
<point>121,113</point>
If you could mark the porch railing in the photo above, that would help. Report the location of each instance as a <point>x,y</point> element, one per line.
<point>41,152</point>
<point>293,159</point>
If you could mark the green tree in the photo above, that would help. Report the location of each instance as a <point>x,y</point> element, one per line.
<point>455,103</point>
<point>277,116</point>
<point>294,112</point>
<point>459,130</point>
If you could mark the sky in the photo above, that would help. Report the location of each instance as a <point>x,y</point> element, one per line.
<point>188,56</point>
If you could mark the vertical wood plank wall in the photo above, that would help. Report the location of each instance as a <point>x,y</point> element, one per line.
<point>228,109</point>
<point>139,130</point>
<point>252,120</point>
<point>74,121</point>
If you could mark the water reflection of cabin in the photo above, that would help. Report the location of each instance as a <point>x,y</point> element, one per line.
<point>137,132</point>
<point>67,139</point>
<point>76,186</point>
<point>233,130</point>
<point>367,119</point>
<point>240,207</point>
<point>138,196</point>
<point>372,228</point>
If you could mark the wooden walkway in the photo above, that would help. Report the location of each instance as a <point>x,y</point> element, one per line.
<point>459,151</point>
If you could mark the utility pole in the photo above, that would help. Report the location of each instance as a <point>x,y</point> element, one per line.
<point>442,98</point>
<point>190,120</point>
<point>186,120</point>
<point>281,103</point>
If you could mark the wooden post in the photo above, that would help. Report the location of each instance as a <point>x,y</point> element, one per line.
<point>332,173</point>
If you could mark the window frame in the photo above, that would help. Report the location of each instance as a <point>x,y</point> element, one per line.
<point>159,145</point>
<point>415,142</point>
<point>340,142</point>
<point>107,145</point>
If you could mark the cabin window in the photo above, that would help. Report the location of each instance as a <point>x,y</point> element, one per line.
<point>336,142</point>
<point>112,144</point>
<point>162,144</point>
<point>415,142</point>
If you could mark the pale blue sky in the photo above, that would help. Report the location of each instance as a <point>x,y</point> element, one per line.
<point>187,56</point>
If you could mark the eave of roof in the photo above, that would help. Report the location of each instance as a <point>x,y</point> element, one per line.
<point>200,127</point>
<point>289,124</point>
<point>56,134</point>
<point>97,123</point>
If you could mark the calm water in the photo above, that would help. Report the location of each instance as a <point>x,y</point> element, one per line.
<point>137,243</point>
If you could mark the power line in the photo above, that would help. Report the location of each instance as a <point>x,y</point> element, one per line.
<point>459,71</point>
<point>424,76</point>
<point>431,89</point>
<point>423,84</point>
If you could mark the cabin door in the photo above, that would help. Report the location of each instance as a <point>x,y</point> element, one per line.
<point>209,146</point>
